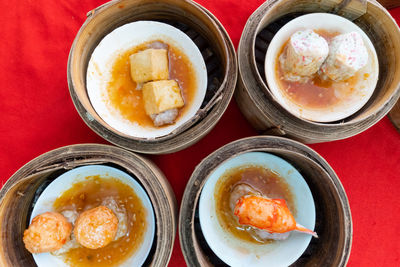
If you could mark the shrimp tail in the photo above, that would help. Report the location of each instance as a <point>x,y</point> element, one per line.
<point>302,229</point>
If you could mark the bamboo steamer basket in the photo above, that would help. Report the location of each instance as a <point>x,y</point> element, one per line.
<point>263,111</point>
<point>389,3</point>
<point>22,189</point>
<point>394,116</point>
<point>200,25</point>
<point>333,216</point>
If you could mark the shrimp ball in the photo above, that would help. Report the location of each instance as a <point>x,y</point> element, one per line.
<point>47,232</point>
<point>96,228</point>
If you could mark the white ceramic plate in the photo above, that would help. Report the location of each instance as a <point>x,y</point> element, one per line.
<point>122,39</point>
<point>351,103</point>
<point>66,180</point>
<point>236,252</point>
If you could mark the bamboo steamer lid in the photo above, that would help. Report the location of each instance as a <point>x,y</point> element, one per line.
<point>21,190</point>
<point>254,97</point>
<point>333,216</point>
<point>200,25</point>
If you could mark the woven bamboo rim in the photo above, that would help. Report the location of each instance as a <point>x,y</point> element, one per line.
<point>210,36</point>
<point>333,223</point>
<point>255,99</point>
<point>17,195</point>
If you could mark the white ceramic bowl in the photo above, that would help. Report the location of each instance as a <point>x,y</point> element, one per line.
<point>65,181</point>
<point>349,105</point>
<point>123,38</point>
<point>236,252</point>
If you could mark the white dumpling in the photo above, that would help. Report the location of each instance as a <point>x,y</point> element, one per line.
<point>347,55</point>
<point>303,55</point>
<point>165,117</point>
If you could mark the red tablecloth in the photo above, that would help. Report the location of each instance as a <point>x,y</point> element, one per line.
<point>37,115</point>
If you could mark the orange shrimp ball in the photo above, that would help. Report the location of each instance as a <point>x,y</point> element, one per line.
<point>47,232</point>
<point>96,228</point>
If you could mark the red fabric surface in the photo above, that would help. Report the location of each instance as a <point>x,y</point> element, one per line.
<point>37,115</point>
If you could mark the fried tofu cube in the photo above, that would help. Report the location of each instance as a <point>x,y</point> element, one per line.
<point>149,65</point>
<point>160,96</point>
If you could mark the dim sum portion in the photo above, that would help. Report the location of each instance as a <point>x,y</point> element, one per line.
<point>247,219</point>
<point>347,55</point>
<point>96,228</point>
<point>321,67</point>
<point>165,117</point>
<point>235,218</point>
<point>307,52</point>
<point>340,83</point>
<point>149,65</point>
<point>162,100</point>
<point>260,235</point>
<point>303,55</point>
<point>47,232</point>
<point>270,215</point>
<point>133,55</point>
<point>97,220</point>
<point>263,218</point>
<point>162,96</point>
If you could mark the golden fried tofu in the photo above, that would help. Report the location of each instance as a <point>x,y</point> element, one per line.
<point>160,96</point>
<point>149,65</point>
<point>47,232</point>
<point>96,228</point>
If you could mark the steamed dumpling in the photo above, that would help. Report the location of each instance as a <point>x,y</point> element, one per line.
<point>303,55</point>
<point>347,55</point>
